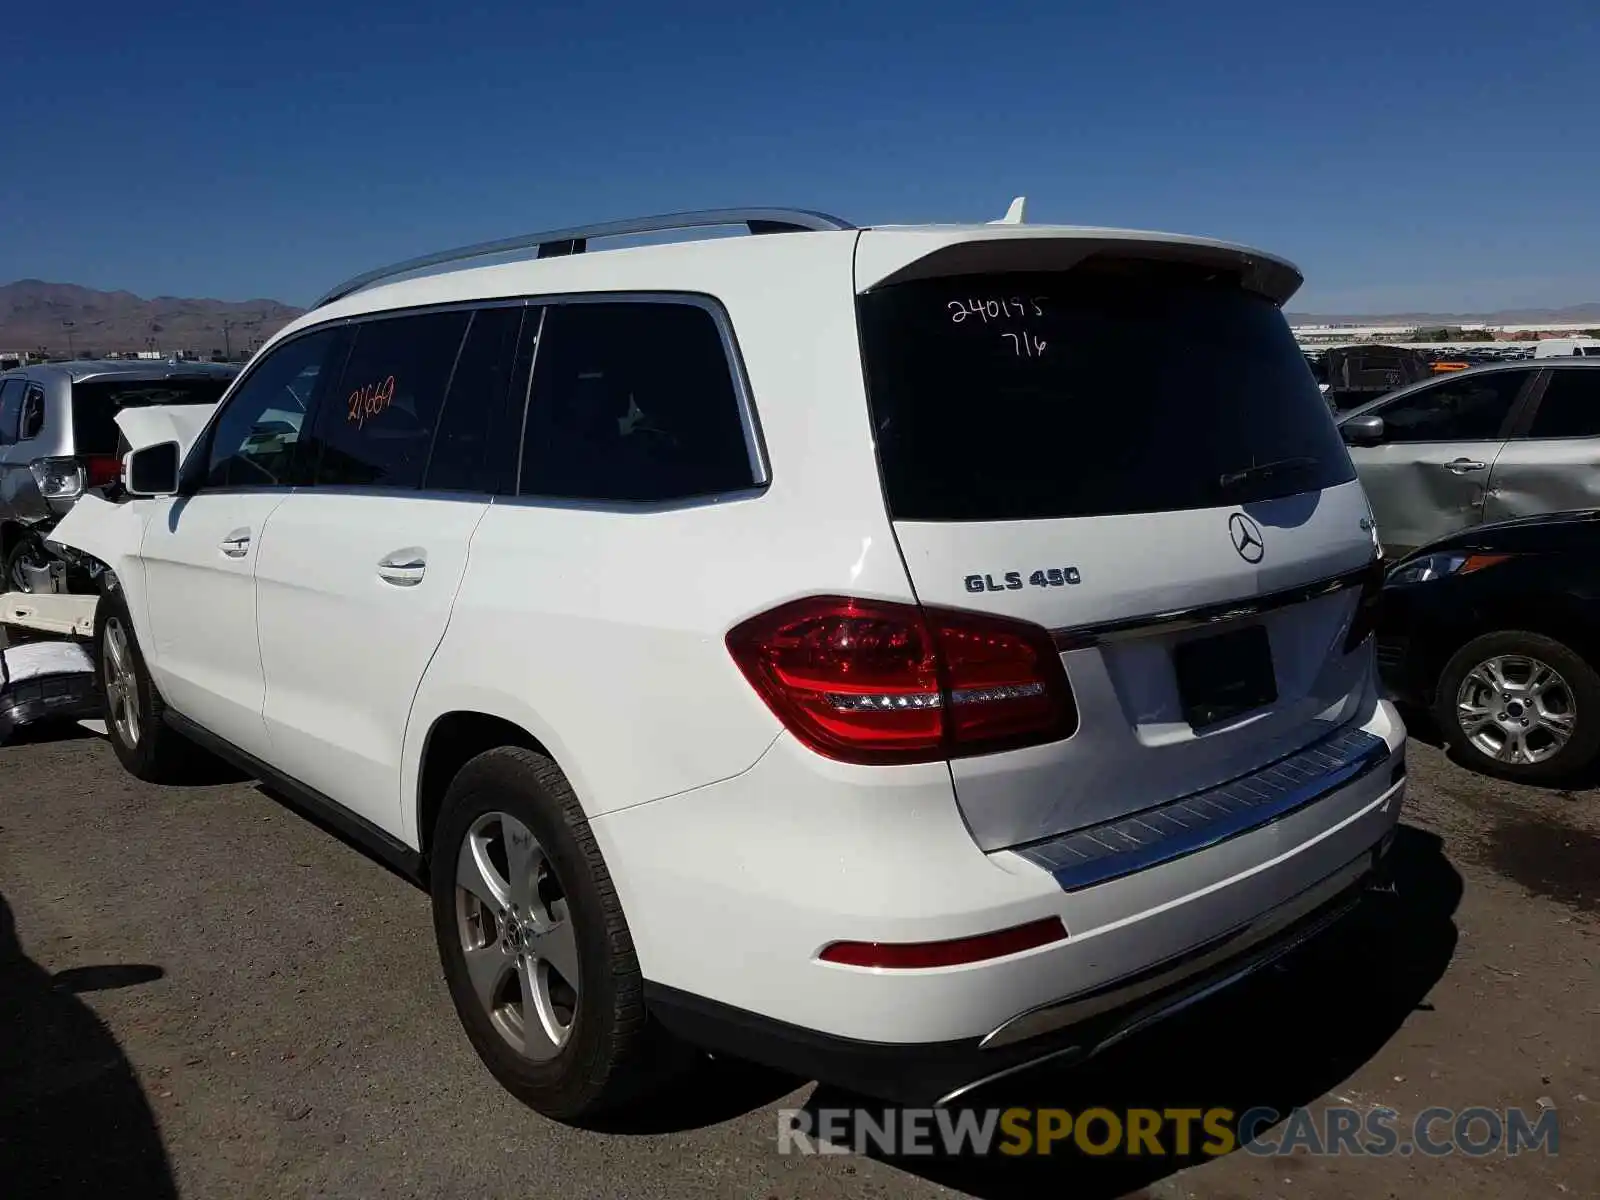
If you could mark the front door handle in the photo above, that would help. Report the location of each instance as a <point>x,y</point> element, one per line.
<point>236,544</point>
<point>403,568</point>
<point>1461,466</point>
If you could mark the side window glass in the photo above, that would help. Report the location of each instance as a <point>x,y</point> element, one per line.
<point>474,449</point>
<point>633,402</point>
<point>256,439</point>
<point>31,424</point>
<point>1468,408</point>
<point>376,427</point>
<point>1570,406</point>
<point>11,393</point>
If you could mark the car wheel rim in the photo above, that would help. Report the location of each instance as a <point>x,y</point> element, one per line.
<point>517,936</point>
<point>122,690</point>
<point>1516,709</point>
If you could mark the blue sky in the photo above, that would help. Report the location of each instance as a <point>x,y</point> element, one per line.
<point>1406,155</point>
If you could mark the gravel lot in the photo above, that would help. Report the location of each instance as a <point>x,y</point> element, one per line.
<point>203,993</point>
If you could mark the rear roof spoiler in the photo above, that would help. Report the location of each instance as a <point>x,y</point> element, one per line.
<point>888,255</point>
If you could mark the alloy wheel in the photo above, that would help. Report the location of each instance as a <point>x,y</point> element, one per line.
<point>517,935</point>
<point>1516,709</point>
<point>122,688</point>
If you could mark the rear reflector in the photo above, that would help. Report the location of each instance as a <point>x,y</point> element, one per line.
<point>870,681</point>
<point>910,956</point>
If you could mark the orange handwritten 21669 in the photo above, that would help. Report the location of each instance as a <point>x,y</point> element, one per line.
<point>367,402</point>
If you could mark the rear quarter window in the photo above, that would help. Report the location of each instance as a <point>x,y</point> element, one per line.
<point>633,402</point>
<point>1097,391</point>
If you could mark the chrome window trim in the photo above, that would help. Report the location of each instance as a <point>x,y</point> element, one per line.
<point>640,507</point>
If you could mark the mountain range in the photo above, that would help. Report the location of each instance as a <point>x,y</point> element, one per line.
<point>65,318</point>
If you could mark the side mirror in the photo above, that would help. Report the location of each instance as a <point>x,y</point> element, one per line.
<point>1362,431</point>
<point>153,470</point>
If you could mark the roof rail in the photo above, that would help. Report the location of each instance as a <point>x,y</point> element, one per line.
<point>575,240</point>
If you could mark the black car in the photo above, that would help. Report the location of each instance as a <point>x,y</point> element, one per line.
<point>1496,630</point>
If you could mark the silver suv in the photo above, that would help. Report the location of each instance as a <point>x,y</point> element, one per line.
<point>1477,446</point>
<point>58,439</point>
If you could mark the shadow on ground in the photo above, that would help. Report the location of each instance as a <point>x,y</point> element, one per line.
<point>709,1092</point>
<point>37,733</point>
<point>1281,1040</point>
<point>1422,727</point>
<point>1549,859</point>
<point>73,1119</point>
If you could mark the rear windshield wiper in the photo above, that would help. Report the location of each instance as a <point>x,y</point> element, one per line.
<point>1267,470</point>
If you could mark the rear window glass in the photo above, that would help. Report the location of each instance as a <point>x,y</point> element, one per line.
<point>1107,389</point>
<point>96,403</point>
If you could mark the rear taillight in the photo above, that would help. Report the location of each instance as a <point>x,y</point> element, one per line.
<point>1366,616</point>
<point>101,470</point>
<point>869,681</point>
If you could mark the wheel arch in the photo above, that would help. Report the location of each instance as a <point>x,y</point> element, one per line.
<point>454,739</point>
<point>442,737</point>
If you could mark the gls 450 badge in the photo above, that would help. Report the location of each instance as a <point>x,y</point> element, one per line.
<point>1011,581</point>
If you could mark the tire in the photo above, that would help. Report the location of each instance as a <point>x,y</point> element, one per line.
<point>1526,744</point>
<point>147,747</point>
<point>587,1048</point>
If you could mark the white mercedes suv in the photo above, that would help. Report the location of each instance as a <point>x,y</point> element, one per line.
<point>851,649</point>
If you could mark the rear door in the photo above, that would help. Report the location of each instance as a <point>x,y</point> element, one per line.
<point>1430,475</point>
<point>1096,450</point>
<point>1552,461</point>
<point>360,570</point>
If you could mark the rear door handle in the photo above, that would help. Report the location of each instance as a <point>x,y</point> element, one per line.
<point>236,544</point>
<point>1461,466</point>
<point>403,568</point>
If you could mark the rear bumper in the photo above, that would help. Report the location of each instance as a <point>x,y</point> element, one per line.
<point>732,892</point>
<point>1067,1031</point>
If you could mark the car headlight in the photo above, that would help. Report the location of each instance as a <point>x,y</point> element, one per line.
<point>57,478</point>
<point>1428,567</point>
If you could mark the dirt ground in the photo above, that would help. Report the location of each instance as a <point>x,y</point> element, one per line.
<point>202,993</point>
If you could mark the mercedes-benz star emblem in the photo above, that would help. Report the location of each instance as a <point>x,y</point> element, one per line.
<point>1246,535</point>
